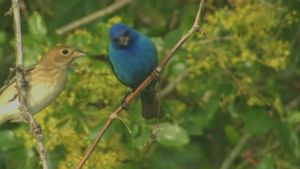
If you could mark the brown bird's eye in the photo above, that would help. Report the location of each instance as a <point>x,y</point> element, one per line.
<point>65,52</point>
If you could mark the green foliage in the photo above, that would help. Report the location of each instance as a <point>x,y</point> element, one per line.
<point>240,78</point>
<point>172,135</point>
<point>267,163</point>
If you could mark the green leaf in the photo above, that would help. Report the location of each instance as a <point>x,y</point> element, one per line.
<point>232,135</point>
<point>201,119</point>
<point>172,135</point>
<point>289,139</point>
<point>257,121</point>
<point>267,163</point>
<point>37,26</point>
<point>294,118</point>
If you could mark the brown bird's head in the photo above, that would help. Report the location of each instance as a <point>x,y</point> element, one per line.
<point>60,56</point>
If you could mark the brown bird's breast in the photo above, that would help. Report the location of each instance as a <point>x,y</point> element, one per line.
<point>45,84</point>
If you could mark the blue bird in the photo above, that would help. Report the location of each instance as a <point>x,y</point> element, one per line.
<point>133,57</point>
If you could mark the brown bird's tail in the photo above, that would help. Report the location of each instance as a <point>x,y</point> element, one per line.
<point>150,104</point>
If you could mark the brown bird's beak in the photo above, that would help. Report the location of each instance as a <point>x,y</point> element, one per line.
<point>79,53</point>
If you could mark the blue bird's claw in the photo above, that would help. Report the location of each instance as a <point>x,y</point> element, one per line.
<point>156,73</point>
<point>124,105</point>
<point>124,102</point>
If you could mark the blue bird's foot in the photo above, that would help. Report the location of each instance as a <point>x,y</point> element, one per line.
<point>156,73</point>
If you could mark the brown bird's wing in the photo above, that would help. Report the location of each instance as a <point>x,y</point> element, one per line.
<point>12,80</point>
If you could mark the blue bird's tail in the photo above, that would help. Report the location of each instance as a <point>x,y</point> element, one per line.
<point>150,104</point>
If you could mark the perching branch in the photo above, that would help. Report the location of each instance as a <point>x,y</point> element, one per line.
<point>147,81</point>
<point>87,19</point>
<point>22,84</point>
<point>235,152</point>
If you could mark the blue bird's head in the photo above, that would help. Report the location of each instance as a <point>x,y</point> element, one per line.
<point>122,36</point>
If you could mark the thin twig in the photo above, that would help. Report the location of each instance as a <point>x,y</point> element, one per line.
<point>235,152</point>
<point>155,131</point>
<point>22,84</point>
<point>87,19</point>
<point>154,74</point>
<point>195,28</point>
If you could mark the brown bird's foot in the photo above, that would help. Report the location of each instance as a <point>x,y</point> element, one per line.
<point>36,129</point>
<point>20,69</point>
<point>24,82</point>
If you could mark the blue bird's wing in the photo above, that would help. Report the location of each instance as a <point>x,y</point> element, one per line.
<point>113,55</point>
<point>114,72</point>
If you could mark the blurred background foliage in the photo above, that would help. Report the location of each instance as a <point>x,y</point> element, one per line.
<point>240,81</point>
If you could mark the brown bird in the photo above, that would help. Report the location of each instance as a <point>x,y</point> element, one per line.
<point>46,80</point>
